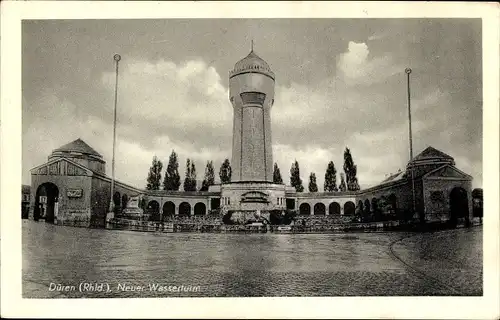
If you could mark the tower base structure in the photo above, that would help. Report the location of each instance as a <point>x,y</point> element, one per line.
<point>252,196</point>
<point>252,202</point>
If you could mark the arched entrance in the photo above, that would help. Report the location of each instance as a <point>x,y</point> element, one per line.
<point>334,208</point>
<point>349,208</point>
<point>459,205</point>
<point>46,202</point>
<point>319,209</point>
<point>168,210</point>
<point>215,203</point>
<point>153,209</point>
<point>184,209</point>
<point>200,209</point>
<point>305,209</point>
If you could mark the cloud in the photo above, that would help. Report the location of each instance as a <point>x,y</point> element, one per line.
<point>378,36</point>
<point>327,96</point>
<point>165,106</point>
<point>50,122</point>
<point>376,134</point>
<point>358,67</point>
<point>187,95</point>
<point>161,107</point>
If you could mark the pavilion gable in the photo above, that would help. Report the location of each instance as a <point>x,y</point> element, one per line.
<point>61,167</point>
<point>447,172</point>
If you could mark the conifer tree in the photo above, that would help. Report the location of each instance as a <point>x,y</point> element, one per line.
<point>225,172</point>
<point>187,179</point>
<point>313,186</point>
<point>192,178</point>
<point>154,175</point>
<point>330,178</point>
<point>172,180</point>
<point>277,175</point>
<point>295,180</point>
<point>342,185</point>
<point>209,178</point>
<point>350,170</point>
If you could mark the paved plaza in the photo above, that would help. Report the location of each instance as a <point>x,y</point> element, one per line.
<point>232,265</point>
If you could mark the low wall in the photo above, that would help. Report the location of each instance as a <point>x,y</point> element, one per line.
<point>215,226</point>
<point>134,225</point>
<point>150,226</point>
<point>82,221</point>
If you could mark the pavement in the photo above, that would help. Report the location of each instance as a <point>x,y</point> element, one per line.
<point>41,291</point>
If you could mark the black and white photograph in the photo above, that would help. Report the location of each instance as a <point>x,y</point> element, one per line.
<point>237,157</point>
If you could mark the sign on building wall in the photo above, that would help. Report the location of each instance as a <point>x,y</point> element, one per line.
<point>437,196</point>
<point>74,193</point>
<point>76,211</point>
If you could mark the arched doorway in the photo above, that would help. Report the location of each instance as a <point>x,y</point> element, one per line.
<point>153,209</point>
<point>459,205</point>
<point>215,203</point>
<point>319,209</point>
<point>349,208</point>
<point>305,209</point>
<point>184,209</point>
<point>200,209</point>
<point>46,202</point>
<point>168,210</point>
<point>334,208</point>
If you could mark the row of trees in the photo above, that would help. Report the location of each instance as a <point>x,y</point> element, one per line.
<point>348,178</point>
<point>172,180</point>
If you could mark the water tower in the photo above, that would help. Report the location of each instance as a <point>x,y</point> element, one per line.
<point>251,92</point>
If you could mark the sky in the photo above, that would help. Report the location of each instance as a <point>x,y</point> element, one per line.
<point>339,83</point>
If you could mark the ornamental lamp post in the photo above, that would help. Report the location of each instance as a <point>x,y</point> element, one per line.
<point>408,72</point>
<point>117,59</point>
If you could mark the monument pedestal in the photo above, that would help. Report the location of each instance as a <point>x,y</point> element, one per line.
<point>131,212</point>
<point>252,197</point>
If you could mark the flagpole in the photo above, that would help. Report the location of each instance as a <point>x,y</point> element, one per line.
<point>408,72</point>
<point>117,59</point>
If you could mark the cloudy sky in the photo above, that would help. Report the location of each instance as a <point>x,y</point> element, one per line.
<point>339,83</point>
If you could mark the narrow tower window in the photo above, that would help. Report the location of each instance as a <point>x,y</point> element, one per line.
<point>253,98</point>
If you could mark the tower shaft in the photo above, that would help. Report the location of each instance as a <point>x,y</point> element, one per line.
<point>251,90</point>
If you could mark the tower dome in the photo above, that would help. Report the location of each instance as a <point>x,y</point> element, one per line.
<point>76,148</point>
<point>251,63</point>
<point>431,156</point>
<point>79,151</point>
